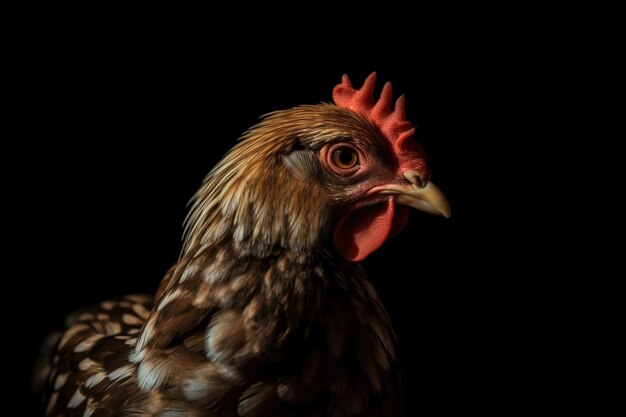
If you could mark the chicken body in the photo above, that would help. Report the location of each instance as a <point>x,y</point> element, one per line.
<point>286,335</point>
<point>266,313</point>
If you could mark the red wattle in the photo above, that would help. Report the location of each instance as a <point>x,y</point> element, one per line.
<point>400,219</point>
<point>361,232</point>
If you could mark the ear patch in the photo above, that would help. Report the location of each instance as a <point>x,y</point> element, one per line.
<point>302,164</point>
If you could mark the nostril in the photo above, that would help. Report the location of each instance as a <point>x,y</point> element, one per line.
<point>415,178</point>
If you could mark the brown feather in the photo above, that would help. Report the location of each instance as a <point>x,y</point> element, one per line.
<point>258,318</point>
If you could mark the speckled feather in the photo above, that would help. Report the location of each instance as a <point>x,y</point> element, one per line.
<point>259,317</point>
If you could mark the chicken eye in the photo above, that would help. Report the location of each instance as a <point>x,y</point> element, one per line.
<point>345,158</point>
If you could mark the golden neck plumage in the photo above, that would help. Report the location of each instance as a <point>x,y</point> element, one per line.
<point>251,199</point>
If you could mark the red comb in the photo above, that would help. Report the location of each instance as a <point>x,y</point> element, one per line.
<point>391,122</point>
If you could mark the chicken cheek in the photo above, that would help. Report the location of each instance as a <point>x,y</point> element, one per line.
<point>361,232</point>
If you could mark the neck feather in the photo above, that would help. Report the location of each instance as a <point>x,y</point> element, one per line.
<point>251,199</point>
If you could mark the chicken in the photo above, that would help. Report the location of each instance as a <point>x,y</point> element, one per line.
<point>267,312</point>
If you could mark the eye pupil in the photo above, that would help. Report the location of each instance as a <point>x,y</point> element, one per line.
<point>345,156</point>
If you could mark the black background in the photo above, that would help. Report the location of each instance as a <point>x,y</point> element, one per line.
<point>116,132</point>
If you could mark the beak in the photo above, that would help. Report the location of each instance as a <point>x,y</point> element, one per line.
<point>427,198</point>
